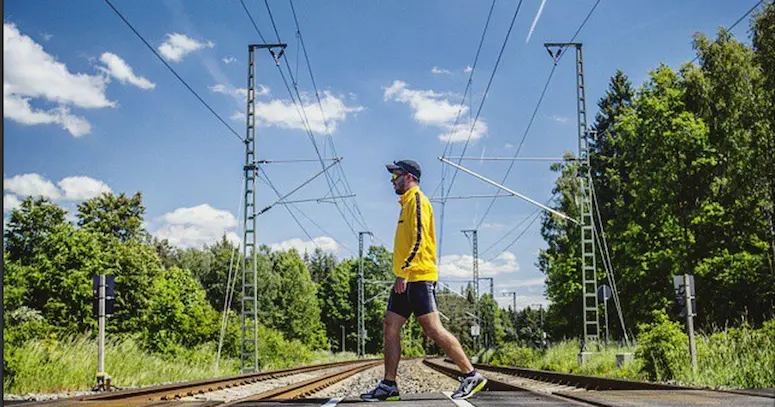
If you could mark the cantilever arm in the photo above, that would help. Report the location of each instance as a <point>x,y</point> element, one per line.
<point>517,194</point>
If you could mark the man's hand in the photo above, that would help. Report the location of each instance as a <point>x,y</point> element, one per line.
<point>400,285</point>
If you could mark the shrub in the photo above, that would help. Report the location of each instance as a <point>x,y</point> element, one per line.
<point>663,349</point>
<point>512,354</point>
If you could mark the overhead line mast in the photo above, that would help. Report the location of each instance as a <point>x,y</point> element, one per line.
<point>588,261</point>
<point>249,312</point>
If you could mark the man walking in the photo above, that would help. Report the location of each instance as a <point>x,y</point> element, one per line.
<point>414,290</point>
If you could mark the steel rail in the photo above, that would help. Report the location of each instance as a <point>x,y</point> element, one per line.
<point>186,389</point>
<point>306,388</point>
<point>492,384</point>
<point>604,383</point>
<point>585,382</point>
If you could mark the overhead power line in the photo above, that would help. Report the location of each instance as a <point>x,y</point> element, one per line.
<point>537,107</point>
<point>732,27</point>
<point>266,179</point>
<point>486,92</point>
<point>470,78</point>
<point>322,112</point>
<point>330,139</point>
<point>447,148</point>
<point>475,120</point>
<point>118,13</point>
<point>299,105</point>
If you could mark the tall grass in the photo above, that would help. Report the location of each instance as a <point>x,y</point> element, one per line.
<point>70,364</point>
<point>737,357</point>
<point>562,357</point>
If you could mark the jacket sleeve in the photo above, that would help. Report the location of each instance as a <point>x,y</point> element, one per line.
<point>415,226</point>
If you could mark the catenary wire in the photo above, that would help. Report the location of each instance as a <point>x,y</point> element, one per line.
<point>537,107</point>
<point>121,16</point>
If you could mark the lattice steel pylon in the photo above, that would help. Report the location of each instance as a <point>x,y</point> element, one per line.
<point>475,252</point>
<point>588,262</point>
<point>361,299</point>
<point>249,309</point>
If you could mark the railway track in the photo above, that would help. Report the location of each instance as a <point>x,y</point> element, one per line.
<point>507,386</point>
<point>606,392</point>
<point>166,394</point>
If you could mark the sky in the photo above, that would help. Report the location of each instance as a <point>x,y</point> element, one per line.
<point>88,108</point>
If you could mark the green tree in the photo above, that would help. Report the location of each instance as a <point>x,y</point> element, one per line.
<point>320,264</point>
<point>211,265</point>
<point>378,275</point>
<point>336,309</point>
<point>179,313</point>
<point>560,261</point>
<point>764,145</point>
<point>118,216</point>
<point>288,298</point>
<point>29,225</point>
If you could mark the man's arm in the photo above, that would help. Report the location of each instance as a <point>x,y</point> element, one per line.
<point>414,225</point>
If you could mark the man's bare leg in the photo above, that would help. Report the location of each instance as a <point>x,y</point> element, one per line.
<point>392,343</point>
<point>431,325</point>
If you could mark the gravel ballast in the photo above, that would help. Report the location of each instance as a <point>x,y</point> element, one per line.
<point>413,378</point>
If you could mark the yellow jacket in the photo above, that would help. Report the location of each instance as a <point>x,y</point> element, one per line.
<point>414,248</point>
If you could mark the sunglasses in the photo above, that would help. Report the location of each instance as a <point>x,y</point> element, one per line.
<point>395,176</point>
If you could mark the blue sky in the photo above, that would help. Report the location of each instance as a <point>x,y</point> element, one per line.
<point>88,108</point>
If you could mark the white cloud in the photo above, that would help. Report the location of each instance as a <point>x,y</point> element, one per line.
<point>203,215</point>
<point>454,265</point>
<point>429,107</point>
<point>463,131</point>
<point>438,71</point>
<point>239,116</point>
<point>10,202</point>
<point>46,36</point>
<point>81,188</point>
<point>509,145</point>
<point>31,185</point>
<point>435,109</point>
<point>18,109</point>
<point>523,301</point>
<point>468,69</point>
<point>559,119</point>
<point>119,69</point>
<point>284,113</point>
<point>179,45</point>
<point>535,21</point>
<point>196,226</point>
<point>324,242</point>
<point>229,60</point>
<point>75,188</point>
<point>30,73</point>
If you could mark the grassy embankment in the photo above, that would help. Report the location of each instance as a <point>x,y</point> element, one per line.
<point>70,364</point>
<point>737,357</point>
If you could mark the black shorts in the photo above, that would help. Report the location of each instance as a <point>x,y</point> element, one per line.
<point>419,298</point>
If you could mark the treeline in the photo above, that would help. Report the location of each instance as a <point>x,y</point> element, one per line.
<point>684,172</point>
<point>170,300</point>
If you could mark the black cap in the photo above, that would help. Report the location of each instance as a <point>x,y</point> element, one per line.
<point>409,166</point>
